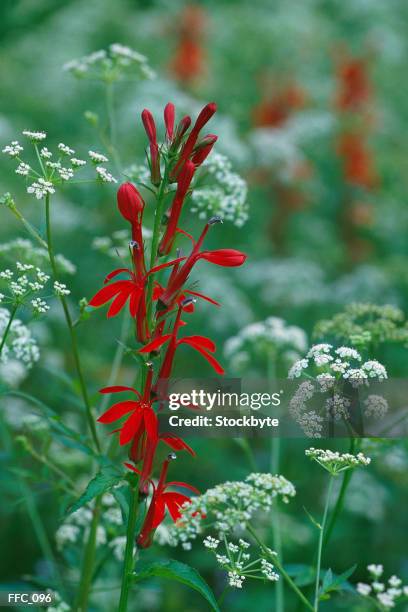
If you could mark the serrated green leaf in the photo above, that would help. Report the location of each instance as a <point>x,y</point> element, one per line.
<point>175,570</point>
<point>102,482</point>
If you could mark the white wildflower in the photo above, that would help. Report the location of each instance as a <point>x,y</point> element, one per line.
<point>65,149</point>
<point>13,149</point>
<point>41,188</point>
<point>77,163</point>
<point>105,175</point>
<point>97,158</point>
<point>35,136</point>
<point>66,173</point>
<point>23,169</point>
<point>40,306</point>
<point>210,542</point>
<point>45,153</point>
<point>61,289</point>
<point>363,589</point>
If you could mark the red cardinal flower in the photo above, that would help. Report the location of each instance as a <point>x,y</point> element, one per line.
<point>126,290</point>
<point>162,499</point>
<point>201,344</point>
<point>182,128</point>
<point>169,114</point>
<point>220,257</point>
<point>142,419</point>
<point>131,206</point>
<point>203,149</point>
<point>203,118</point>
<point>150,128</point>
<point>183,184</point>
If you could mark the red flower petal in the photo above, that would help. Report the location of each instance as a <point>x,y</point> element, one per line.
<point>155,344</point>
<point>107,293</point>
<point>177,443</point>
<point>117,304</point>
<point>174,501</point>
<point>117,389</point>
<point>117,411</point>
<point>130,427</point>
<point>211,360</point>
<point>176,483</point>
<point>200,341</point>
<point>134,301</point>
<point>202,296</point>
<point>224,257</point>
<point>151,423</point>
<point>115,273</point>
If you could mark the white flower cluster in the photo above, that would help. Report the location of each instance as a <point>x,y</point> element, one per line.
<point>229,506</point>
<point>237,561</point>
<point>385,595</point>
<point>29,280</point>
<point>343,362</point>
<point>61,289</point>
<point>19,352</point>
<point>113,64</point>
<point>271,339</point>
<point>52,173</point>
<point>25,251</point>
<point>76,526</point>
<point>335,462</point>
<point>225,194</point>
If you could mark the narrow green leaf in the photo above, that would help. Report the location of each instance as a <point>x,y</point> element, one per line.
<point>174,570</point>
<point>102,482</point>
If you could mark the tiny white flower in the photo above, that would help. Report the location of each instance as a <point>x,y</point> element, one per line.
<point>98,158</point>
<point>13,149</point>
<point>45,153</point>
<point>41,188</point>
<point>65,149</point>
<point>77,162</point>
<point>211,543</point>
<point>35,136</point>
<point>105,175</point>
<point>23,169</point>
<point>61,289</point>
<point>363,589</point>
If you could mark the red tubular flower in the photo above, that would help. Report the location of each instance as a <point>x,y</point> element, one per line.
<point>169,113</point>
<point>201,344</point>
<point>182,128</point>
<point>203,118</point>
<point>124,290</point>
<point>220,257</point>
<point>150,128</point>
<point>183,184</point>
<point>203,149</point>
<point>131,206</point>
<point>162,500</point>
<point>142,420</point>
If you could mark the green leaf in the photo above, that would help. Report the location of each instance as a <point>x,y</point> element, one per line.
<point>331,582</point>
<point>174,570</point>
<point>102,482</point>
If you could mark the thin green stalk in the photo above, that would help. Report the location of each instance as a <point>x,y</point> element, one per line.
<point>158,215</point>
<point>341,497</point>
<point>72,331</point>
<point>88,560</point>
<point>110,109</point>
<point>276,531</point>
<point>280,567</point>
<point>130,542</point>
<point>320,544</point>
<point>30,228</point>
<point>8,326</point>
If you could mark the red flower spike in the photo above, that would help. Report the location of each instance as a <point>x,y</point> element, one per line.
<point>150,127</point>
<point>169,114</point>
<point>130,202</point>
<point>162,500</point>
<point>183,184</point>
<point>203,118</point>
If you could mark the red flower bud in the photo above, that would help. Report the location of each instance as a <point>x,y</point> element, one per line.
<point>149,126</point>
<point>183,184</point>
<point>130,202</point>
<point>169,112</point>
<point>203,149</point>
<point>205,115</point>
<point>182,128</point>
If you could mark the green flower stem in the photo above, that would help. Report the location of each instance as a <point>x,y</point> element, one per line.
<point>110,110</point>
<point>88,561</point>
<point>30,228</point>
<point>341,496</point>
<point>8,326</point>
<point>158,215</point>
<point>72,331</point>
<point>320,544</point>
<point>276,531</point>
<point>280,567</point>
<point>130,542</point>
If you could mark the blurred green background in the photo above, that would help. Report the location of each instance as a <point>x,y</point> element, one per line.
<point>328,224</point>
